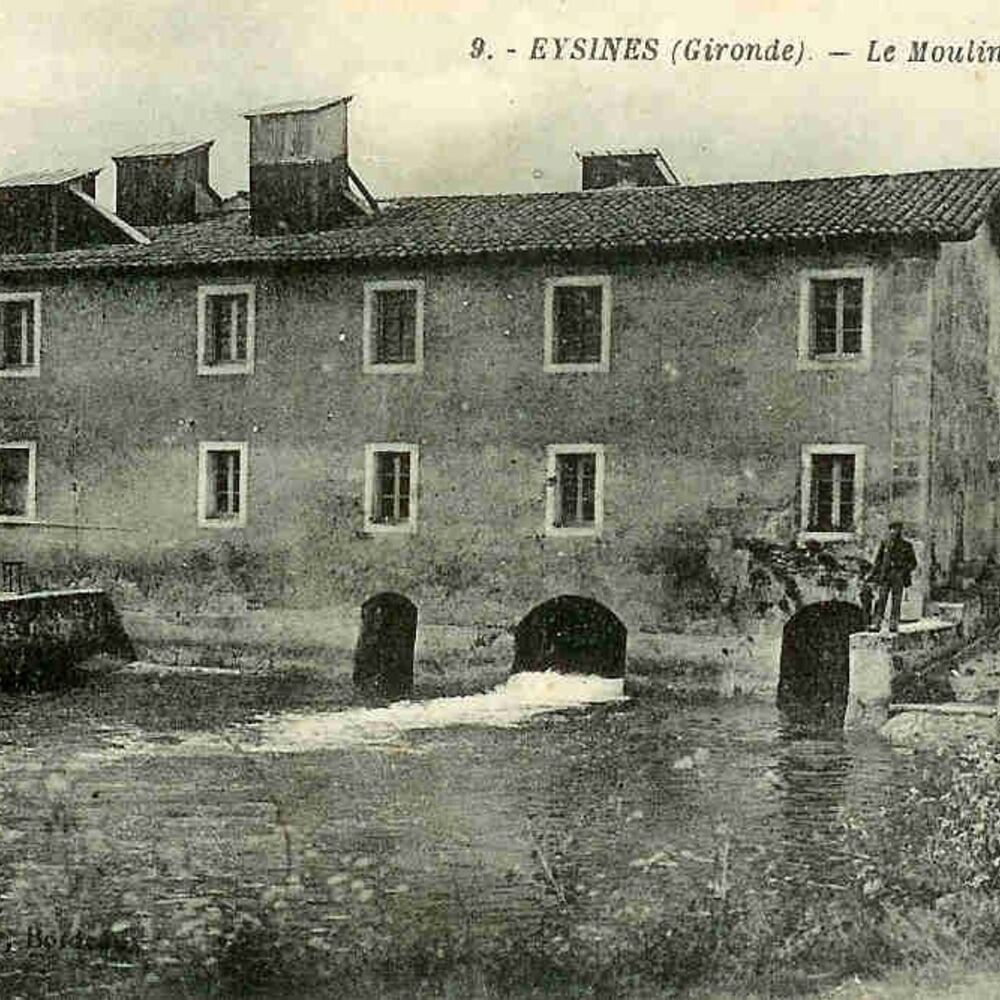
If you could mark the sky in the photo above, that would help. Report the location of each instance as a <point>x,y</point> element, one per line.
<point>84,79</point>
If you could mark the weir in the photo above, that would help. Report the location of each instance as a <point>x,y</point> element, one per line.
<point>518,699</point>
<point>571,634</point>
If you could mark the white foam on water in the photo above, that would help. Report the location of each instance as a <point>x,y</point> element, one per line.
<point>519,698</point>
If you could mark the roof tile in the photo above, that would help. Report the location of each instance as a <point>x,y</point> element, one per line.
<point>942,204</point>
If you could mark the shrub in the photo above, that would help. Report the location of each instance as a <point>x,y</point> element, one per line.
<point>926,874</point>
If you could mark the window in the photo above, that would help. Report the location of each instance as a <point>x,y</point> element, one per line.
<point>394,326</point>
<point>222,484</point>
<point>17,481</point>
<point>575,494</point>
<point>225,329</point>
<point>578,324</point>
<point>391,487</point>
<point>20,323</point>
<point>832,490</point>
<point>835,319</point>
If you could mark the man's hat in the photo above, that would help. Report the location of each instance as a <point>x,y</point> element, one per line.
<point>895,524</point>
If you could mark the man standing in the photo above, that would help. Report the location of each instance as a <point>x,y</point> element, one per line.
<point>892,572</point>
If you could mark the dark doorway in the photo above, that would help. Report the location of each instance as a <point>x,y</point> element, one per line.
<point>383,657</point>
<point>815,652</point>
<point>571,635</point>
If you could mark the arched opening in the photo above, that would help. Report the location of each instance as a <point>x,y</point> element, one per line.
<point>815,654</point>
<point>383,657</point>
<point>571,634</point>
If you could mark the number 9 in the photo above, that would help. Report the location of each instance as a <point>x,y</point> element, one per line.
<point>478,48</point>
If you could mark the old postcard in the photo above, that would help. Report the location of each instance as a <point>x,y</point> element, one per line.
<point>499,501</point>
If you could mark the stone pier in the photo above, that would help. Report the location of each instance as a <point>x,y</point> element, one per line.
<point>876,658</point>
<point>42,635</point>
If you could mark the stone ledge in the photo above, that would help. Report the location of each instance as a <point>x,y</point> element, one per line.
<point>44,594</point>
<point>944,708</point>
<point>953,611</point>
<point>920,628</point>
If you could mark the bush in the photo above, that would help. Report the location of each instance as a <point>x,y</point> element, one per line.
<point>926,874</point>
<point>943,836</point>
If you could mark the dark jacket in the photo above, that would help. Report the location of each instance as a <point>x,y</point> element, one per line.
<point>895,560</point>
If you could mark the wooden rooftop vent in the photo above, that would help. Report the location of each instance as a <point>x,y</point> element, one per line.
<point>626,168</point>
<point>164,183</point>
<point>299,175</point>
<point>51,210</point>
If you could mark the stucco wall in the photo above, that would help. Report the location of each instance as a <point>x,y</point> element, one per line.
<point>963,489</point>
<point>703,416</point>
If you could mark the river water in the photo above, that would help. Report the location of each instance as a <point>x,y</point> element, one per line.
<point>472,811</point>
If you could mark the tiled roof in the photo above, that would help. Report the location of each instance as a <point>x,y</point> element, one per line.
<point>47,178</point>
<point>169,148</point>
<point>943,204</point>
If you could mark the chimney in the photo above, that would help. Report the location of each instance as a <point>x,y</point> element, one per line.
<point>299,175</point>
<point>624,168</point>
<point>165,182</point>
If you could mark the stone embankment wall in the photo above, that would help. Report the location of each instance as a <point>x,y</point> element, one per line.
<point>43,635</point>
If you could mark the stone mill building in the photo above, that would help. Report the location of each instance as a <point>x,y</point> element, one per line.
<point>688,402</point>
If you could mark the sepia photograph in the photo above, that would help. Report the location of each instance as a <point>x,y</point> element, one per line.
<point>499,501</point>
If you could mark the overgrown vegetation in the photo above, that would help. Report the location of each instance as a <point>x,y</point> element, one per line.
<point>678,559</point>
<point>210,574</point>
<point>919,884</point>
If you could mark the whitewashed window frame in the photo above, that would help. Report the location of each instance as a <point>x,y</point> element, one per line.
<point>243,366</point>
<point>859,452</point>
<point>30,515</point>
<point>602,281</point>
<point>807,359</point>
<point>553,451</point>
<point>371,289</point>
<point>371,526</point>
<point>205,449</point>
<point>33,370</point>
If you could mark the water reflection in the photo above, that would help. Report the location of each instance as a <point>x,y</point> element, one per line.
<point>485,809</point>
<point>814,769</point>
